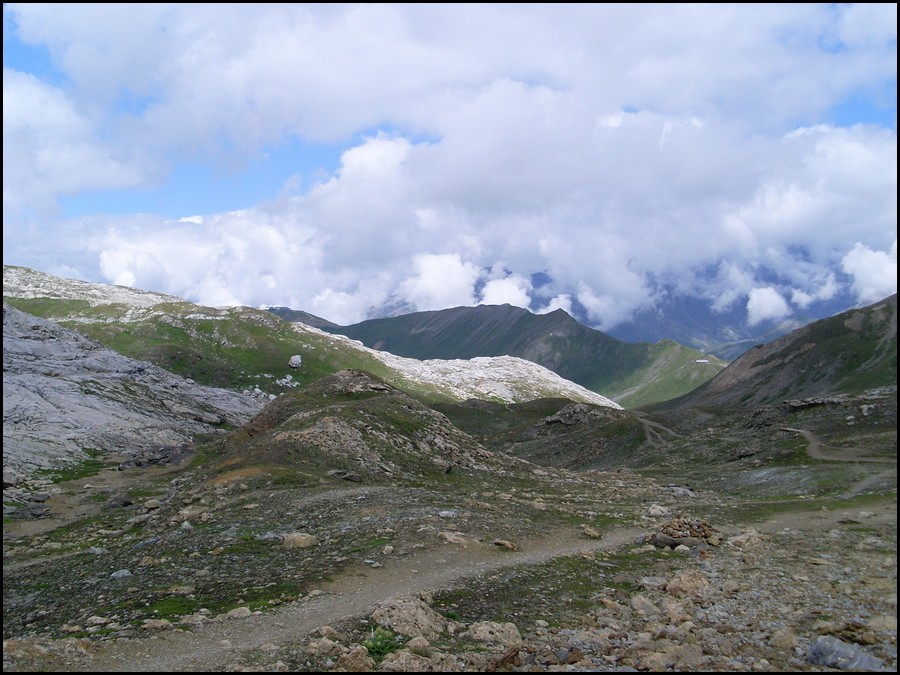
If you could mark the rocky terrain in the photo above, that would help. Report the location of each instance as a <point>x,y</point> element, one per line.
<point>65,396</point>
<point>349,527</point>
<point>631,374</point>
<point>495,378</point>
<point>22,282</point>
<point>351,524</point>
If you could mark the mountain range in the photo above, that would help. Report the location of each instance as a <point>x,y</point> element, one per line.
<point>726,333</point>
<point>254,351</point>
<point>632,374</point>
<point>224,490</point>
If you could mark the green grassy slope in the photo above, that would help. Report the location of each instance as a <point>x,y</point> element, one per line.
<point>244,348</point>
<point>233,348</point>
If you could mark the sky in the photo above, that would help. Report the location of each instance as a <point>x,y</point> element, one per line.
<point>355,161</point>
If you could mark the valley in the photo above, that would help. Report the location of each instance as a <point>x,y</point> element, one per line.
<point>360,522</point>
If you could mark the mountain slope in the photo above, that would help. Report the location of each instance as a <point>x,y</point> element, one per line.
<point>846,354</point>
<point>354,423</point>
<point>246,348</point>
<point>504,379</point>
<point>632,374</point>
<point>299,316</point>
<point>65,396</point>
<point>553,432</point>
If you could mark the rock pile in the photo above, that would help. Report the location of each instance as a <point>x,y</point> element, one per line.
<point>686,531</point>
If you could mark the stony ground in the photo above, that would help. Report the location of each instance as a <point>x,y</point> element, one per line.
<point>242,573</point>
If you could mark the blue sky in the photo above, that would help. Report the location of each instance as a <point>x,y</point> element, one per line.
<point>345,159</point>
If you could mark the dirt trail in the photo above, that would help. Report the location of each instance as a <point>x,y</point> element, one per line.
<point>652,431</point>
<point>353,594</point>
<point>358,593</point>
<point>815,449</point>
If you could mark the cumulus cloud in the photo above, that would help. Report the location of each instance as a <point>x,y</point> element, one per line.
<point>563,302</point>
<point>619,152</point>
<point>440,281</point>
<point>514,290</point>
<point>765,304</point>
<point>51,149</point>
<point>826,291</point>
<point>874,272</point>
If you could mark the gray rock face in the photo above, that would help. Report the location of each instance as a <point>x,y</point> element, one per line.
<point>64,393</point>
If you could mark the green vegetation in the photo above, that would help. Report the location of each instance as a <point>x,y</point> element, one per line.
<point>232,348</point>
<point>669,371</point>
<point>173,607</point>
<point>380,643</point>
<point>564,588</point>
<point>756,510</point>
<point>88,467</point>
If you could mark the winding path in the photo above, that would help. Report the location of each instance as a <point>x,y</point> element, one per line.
<point>815,449</point>
<point>353,594</point>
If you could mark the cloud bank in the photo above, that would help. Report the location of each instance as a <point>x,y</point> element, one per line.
<point>621,154</point>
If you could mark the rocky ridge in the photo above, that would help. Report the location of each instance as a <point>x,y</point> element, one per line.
<point>27,283</point>
<point>64,395</point>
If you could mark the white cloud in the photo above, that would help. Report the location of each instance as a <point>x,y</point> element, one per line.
<point>50,149</point>
<point>870,23</point>
<point>765,304</point>
<point>874,272</point>
<point>439,281</point>
<point>617,150</point>
<point>604,310</point>
<point>563,302</point>
<point>826,291</point>
<point>514,290</point>
<point>732,284</point>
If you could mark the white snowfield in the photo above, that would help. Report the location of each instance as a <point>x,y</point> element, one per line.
<point>507,378</point>
<point>504,378</point>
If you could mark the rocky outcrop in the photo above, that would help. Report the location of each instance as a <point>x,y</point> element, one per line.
<point>64,394</point>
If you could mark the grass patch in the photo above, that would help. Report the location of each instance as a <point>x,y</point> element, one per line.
<point>758,511</point>
<point>88,467</point>
<point>169,608</point>
<point>374,544</point>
